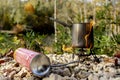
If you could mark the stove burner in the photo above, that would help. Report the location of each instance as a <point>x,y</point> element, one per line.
<point>82,54</point>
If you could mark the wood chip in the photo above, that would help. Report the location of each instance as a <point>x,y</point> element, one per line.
<point>109,60</point>
<point>11,75</point>
<point>2,61</point>
<point>10,53</point>
<point>22,73</point>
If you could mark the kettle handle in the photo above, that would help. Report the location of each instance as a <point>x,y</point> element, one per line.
<point>60,22</point>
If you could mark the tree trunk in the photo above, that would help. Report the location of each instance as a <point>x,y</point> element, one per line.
<point>54,21</point>
<point>85,15</point>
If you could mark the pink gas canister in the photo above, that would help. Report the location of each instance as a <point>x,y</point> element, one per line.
<point>37,63</point>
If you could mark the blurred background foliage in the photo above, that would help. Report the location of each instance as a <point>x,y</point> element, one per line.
<point>32,29</point>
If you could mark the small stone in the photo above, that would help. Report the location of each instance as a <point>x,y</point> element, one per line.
<point>69,78</point>
<point>62,71</point>
<point>103,78</point>
<point>112,70</point>
<point>66,72</point>
<point>76,69</point>
<point>106,75</point>
<point>116,78</point>
<point>93,77</point>
<point>4,78</point>
<point>84,67</point>
<point>33,78</point>
<point>17,78</point>
<point>24,78</point>
<point>53,77</point>
<point>83,74</point>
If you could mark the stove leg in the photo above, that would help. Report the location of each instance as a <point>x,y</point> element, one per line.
<point>82,53</point>
<point>96,59</point>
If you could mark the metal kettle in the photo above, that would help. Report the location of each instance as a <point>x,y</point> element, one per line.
<point>82,34</point>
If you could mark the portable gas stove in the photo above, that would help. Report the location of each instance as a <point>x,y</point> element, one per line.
<point>82,37</point>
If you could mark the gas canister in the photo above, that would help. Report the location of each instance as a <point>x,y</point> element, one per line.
<point>37,63</point>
